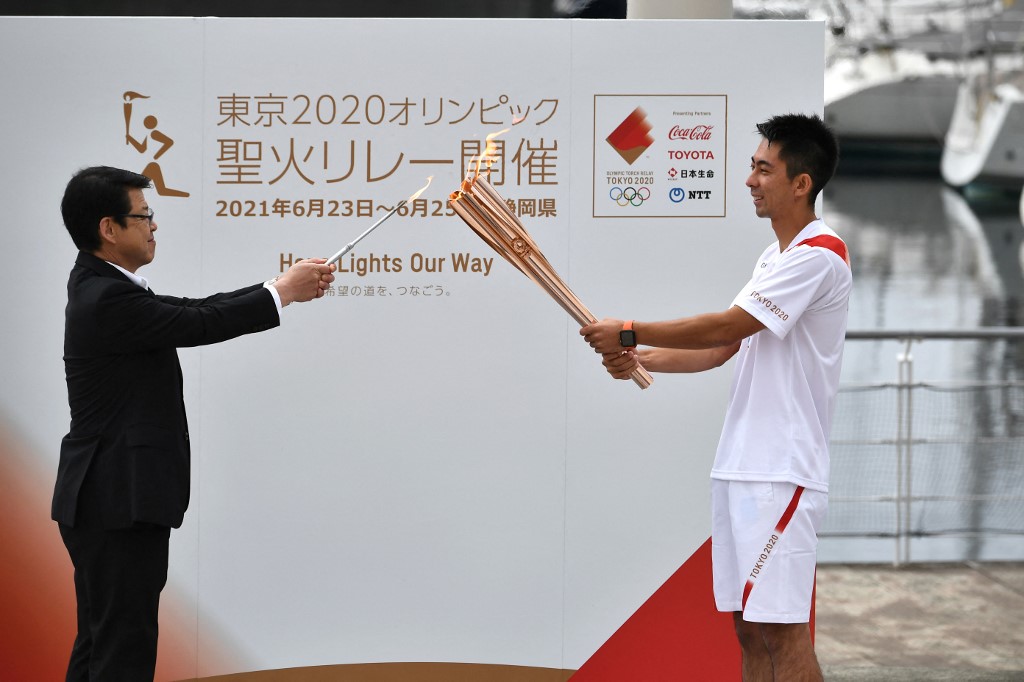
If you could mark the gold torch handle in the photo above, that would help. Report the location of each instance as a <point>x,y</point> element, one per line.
<point>640,376</point>
<point>483,209</point>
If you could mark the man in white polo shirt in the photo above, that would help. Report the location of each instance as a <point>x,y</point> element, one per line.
<point>770,475</point>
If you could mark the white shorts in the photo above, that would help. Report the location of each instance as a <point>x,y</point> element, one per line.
<point>764,548</point>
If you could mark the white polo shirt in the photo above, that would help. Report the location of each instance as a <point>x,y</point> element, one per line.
<point>783,393</point>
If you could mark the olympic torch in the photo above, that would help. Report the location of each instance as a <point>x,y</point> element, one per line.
<point>129,97</point>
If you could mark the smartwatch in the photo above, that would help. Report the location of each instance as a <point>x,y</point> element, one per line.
<point>627,337</point>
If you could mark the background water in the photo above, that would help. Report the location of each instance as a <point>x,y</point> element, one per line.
<point>926,256</point>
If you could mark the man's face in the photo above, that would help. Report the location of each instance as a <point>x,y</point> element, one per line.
<point>769,185</point>
<point>136,243</point>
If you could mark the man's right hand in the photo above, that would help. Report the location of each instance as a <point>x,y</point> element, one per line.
<point>305,280</point>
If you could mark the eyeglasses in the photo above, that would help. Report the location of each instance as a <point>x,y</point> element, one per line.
<point>147,216</point>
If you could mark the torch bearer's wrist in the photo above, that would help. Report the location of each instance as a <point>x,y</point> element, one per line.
<point>627,337</point>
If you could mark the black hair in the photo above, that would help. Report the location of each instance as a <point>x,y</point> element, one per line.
<point>806,145</point>
<point>96,193</point>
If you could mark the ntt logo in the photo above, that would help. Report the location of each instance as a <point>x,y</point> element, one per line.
<point>677,194</point>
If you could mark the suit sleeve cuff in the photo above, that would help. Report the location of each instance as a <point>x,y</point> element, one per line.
<point>269,284</point>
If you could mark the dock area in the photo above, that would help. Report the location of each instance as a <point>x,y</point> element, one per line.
<point>962,621</point>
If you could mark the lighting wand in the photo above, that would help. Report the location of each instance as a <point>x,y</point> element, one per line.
<point>348,247</point>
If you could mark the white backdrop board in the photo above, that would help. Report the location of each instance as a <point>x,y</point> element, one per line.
<point>429,464</point>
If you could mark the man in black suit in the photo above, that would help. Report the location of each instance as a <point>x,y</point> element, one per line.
<point>123,476</point>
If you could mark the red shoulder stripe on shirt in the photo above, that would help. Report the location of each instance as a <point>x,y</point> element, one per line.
<point>833,244</point>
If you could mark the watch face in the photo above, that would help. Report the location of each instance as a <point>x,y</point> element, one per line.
<point>627,337</point>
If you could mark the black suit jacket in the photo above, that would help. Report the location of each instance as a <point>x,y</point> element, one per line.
<point>126,458</point>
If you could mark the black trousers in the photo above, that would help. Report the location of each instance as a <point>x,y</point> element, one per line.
<point>118,578</point>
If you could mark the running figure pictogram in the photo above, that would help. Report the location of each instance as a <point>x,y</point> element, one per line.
<point>152,169</point>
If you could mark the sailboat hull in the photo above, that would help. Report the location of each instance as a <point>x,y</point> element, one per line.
<point>985,143</point>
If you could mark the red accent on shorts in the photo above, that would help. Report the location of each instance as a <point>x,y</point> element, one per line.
<point>833,244</point>
<point>746,592</point>
<point>787,516</point>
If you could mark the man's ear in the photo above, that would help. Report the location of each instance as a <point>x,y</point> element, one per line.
<point>803,184</point>
<point>108,230</point>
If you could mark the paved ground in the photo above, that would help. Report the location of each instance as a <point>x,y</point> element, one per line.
<point>961,622</point>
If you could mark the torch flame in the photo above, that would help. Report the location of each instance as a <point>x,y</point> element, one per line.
<point>420,191</point>
<point>489,149</point>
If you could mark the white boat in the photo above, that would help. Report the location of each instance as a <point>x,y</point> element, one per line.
<point>896,99</point>
<point>891,80</point>
<point>985,142</point>
<point>1020,209</point>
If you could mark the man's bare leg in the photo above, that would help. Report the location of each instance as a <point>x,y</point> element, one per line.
<point>776,652</point>
<point>757,663</point>
<point>792,654</point>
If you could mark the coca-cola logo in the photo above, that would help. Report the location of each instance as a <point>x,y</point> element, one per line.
<point>701,132</point>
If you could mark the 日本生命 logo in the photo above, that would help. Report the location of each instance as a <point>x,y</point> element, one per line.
<point>632,137</point>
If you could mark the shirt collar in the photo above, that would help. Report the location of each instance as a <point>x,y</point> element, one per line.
<point>809,228</point>
<point>141,281</point>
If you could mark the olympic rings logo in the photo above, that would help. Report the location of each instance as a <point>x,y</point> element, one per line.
<point>629,195</point>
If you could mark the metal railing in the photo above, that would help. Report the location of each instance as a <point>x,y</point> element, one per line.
<point>939,459</point>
